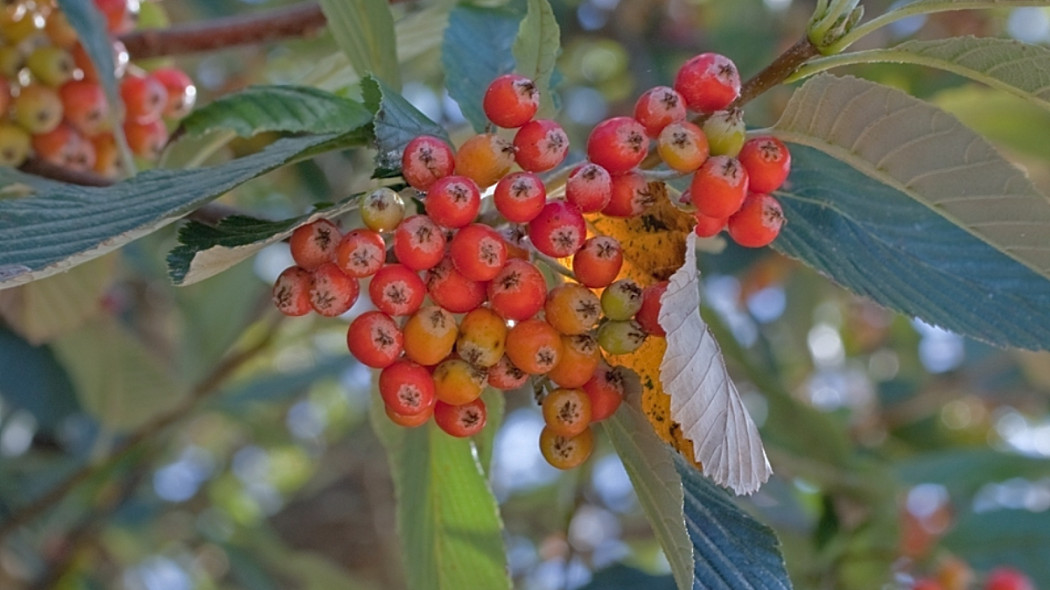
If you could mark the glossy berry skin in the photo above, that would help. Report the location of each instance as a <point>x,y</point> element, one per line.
<point>598,261</point>
<point>182,93</point>
<point>682,146</point>
<point>621,300</point>
<point>566,411</point>
<point>382,209</point>
<point>589,187</point>
<point>540,145</point>
<point>451,290</point>
<point>518,291</point>
<point>360,253</point>
<point>618,144</point>
<point>505,376</point>
<point>631,195</point>
<point>37,108</point>
<point>291,291</point>
<point>580,358</point>
<point>726,132</point>
<point>375,339</point>
<point>767,161</point>
<point>419,243</point>
<point>332,293</point>
<point>534,346</point>
<point>511,100</point>
<point>482,337</point>
<point>657,107</point>
<point>406,387</point>
<point>618,337</point>
<point>606,390</point>
<point>718,188</point>
<point>144,98</point>
<point>85,106</point>
<point>1007,578</point>
<point>461,421</point>
<point>572,308</point>
<point>430,335</point>
<point>758,221</point>
<point>559,230</point>
<point>708,82</point>
<point>707,227</point>
<point>426,158</point>
<point>566,452</point>
<point>146,140</point>
<point>313,244</point>
<point>648,316</point>
<point>520,196</point>
<point>453,201</point>
<point>396,290</point>
<point>485,158</point>
<point>478,252</point>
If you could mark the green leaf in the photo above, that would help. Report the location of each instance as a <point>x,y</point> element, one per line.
<point>62,225</point>
<point>536,50</point>
<point>120,383</point>
<point>878,242</point>
<point>732,550</point>
<point>622,577</point>
<point>651,466</point>
<point>295,109</point>
<point>32,380</point>
<point>1016,125</point>
<point>1017,68</point>
<point>495,408</point>
<point>964,471</point>
<point>476,49</point>
<point>447,517</point>
<point>364,30</point>
<point>397,122</point>
<point>276,388</point>
<point>927,154</point>
<point>1003,537</point>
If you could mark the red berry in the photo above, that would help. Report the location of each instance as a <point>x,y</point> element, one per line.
<point>631,195</point>
<point>709,82</point>
<point>559,230</point>
<point>758,221</point>
<point>409,420</point>
<point>606,390</point>
<point>332,292</point>
<point>618,144</point>
<point>426,159</point>
<point>397,290</point>
<point>707,227</point>
<point>598,261</point>
<point>85,106</point>
<point>460,421</point>
<point>719,186</point>
<point>520,196</point>
<point>406,387</point>
<point>767,161</point>
<point>144,98</point>
<point>146,140</point>
<point>65,147</point>
<point>453,201</point>
<point>453,291</point>
<point>589,187</point>
<point>314,243</point>
<point>511,100</point>
<point>374,339</point>
<point>478,251</point>
<point>518,291</point>
<point>648,316</point>
<point>1008,578</point>
<point>657,107</point>
<point>505,376</point>
<point>360,253</point>
<point>540,145</point>
<point>182,93</point>
<point>291,291</point>
<point>682,146</point>
<point>418,242</point>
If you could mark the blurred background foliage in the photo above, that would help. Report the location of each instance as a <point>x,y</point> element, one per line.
<point>219,446</point>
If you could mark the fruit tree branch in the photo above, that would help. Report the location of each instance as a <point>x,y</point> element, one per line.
<point>776,72</point>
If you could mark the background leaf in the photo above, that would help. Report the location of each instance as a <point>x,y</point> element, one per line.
<point>927,154</point>
<point>733,551</point>
<point>878,242</point>
<point>364,30</point>
<point>397,122</point>
<point>1003,537</point>
<point>621,577</point>
<point>448,520</point>
<point>31,379</point>
<point>63,225</point>
<point>964,471</point>
<point>536,50</point>
<point>475,50</point>
<point>704,399</point>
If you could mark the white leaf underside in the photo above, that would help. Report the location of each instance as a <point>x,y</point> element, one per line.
<point>703,398</point>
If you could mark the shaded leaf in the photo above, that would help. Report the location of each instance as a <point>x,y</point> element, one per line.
<point>32,380</point>
<point>704,399</point>
<point>927,154</point>
<point>1003,537</point>
<point>476,49</point>
<point>964,471</point>
<point>622,577</point>
<point>650,465</point>
<point>62,225</point>
<point>364,30</point>
<point>733,550</point>
<point>536,50</point>
<point>295,109</point>
<point>879,242</point>
<point>397,122</point>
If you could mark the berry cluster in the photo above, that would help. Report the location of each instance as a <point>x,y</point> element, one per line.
<point>52,104</point>
<point>461,304</point>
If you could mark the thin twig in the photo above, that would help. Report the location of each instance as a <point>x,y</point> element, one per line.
<point>776,72</point>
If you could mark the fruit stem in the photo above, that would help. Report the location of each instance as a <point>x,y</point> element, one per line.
<point>776,72</point>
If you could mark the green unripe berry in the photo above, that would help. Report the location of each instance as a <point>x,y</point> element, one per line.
<point>14,145</point>
<point>51,65</point>
<point>38,109</point>
<point>621,300</point>
<point>620,336</point>
<point>382,209</point>
<point>726,132</point>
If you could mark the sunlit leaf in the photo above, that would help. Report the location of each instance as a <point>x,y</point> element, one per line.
<point>536,50</point>
<point>927,154</point>
<point>704,399</point>
<point>364,30</point>
<point>1012,123</point>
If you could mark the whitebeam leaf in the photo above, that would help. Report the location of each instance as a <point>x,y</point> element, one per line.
<point>703,398</point>
<point>927,154</point>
